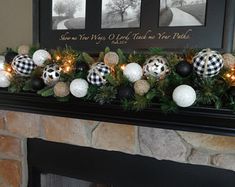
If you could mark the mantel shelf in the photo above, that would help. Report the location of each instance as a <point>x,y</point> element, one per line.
<point>194,119</point>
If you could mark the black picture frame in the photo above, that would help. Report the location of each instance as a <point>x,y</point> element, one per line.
<point>217,33</point>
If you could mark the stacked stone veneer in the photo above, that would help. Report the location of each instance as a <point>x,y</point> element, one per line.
<point>178,146</point>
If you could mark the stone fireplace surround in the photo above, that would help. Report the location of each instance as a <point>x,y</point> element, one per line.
<point>184,147</point>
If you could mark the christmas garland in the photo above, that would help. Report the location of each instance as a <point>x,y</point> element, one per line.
<point>136,80</point>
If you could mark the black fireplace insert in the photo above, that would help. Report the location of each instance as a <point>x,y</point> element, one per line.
<point>114,169</point>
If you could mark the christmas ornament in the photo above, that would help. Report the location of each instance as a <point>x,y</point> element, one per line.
<point>51,74</point>
<point>79,88</point>
<point>4,79</point>
<point>61,89</point>
<point>141,87</point>
<point>184,68</point>
<point>156,66</point>
<point>23,65</point>
<point>37,83</point>
<point>97,74</point>
<point>111,59</point>
<point>125,92</point>
<point>208,63</point>
<point>40,56</point>
<point>184,96</point>
<point>2,62</point>
<point>82,66</point>
<point>10,56</point>
<point>23,50</point>
<point>133,72</point>
<point>229,60</point>
<point>232,91</point>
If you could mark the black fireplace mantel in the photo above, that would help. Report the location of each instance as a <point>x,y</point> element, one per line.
<point>194,119</point>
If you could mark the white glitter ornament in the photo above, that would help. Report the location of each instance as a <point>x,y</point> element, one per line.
<point>40,56</point>
<point>79,88</point>
<point>184,96</point>
<point>156,66</point>
<point>5,79</point>
<point>111,59</point>
<point>2,62</point>
<point>133,72</point>
<point>51,74</point>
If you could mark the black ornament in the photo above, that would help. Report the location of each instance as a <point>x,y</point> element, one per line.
<point>10,56</point>
<point>232,91</point>
<point>82,66</point>
<point>37,83</point>
<point>184,68</point>
<point>125,92</point>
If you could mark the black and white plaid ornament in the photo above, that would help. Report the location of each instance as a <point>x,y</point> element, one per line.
<point>23,65</point>
<point>208,63</point>
<point>97,74</point>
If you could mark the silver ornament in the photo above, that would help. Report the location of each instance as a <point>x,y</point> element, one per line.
<point>79,88</point>
<point>156,66</point>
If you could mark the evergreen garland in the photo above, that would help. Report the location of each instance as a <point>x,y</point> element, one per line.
<point>210,91</point>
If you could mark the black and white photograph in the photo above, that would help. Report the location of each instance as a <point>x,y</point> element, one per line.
<point>121,14</point>
<point>176,13</point>
<point>68,14</point>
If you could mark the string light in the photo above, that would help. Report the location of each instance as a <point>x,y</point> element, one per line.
<point>123,67</point>
<point>58,58</point>
<point>230,76</point>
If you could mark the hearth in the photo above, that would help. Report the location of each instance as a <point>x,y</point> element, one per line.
<point>88,167</point>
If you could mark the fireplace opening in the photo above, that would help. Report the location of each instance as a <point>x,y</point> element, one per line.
<point>52,180</point>
<point>60,165</point>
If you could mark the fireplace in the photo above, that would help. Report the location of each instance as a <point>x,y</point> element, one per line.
<point>91,167</point>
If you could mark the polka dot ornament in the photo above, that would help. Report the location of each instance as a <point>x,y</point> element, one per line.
<point>208,63</point>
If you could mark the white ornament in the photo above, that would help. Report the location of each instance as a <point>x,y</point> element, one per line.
<point>79,88</point>
<point>40,56</point>
<point>2,62</point>
<point>184,96</point>
<point>133,72</point>
<point>5,79</point>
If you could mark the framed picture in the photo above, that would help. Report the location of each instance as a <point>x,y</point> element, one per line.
<point>90,25</point>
